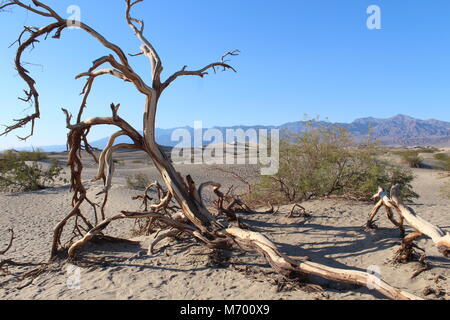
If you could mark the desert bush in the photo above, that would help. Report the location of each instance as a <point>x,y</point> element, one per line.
<point>119,162</point>
<point>18,174</point>
<point>35,155</point>
<point>138,181</point>
<point>324,162</point>
<point>444,160</point>
<point>427,150</point>
<point>410,158</point>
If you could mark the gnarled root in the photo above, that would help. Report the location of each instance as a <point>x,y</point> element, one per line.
<point>407,252</point>
<point>287,266</point>
<point>407,214</point>
<point>5,263</point>
<point>386,203</point>
<point>10,242</point>
<point>168,234</point>
<point>300,212</point>
<point>128,215</point>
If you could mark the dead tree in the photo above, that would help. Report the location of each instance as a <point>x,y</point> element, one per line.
<point>197,221</point>
<point>421,226</point>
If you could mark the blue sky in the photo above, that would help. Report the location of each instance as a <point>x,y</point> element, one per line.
<point>314,57</point>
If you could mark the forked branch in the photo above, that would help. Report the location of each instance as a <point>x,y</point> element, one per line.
<point>203,71</point>
<point>420,225</point>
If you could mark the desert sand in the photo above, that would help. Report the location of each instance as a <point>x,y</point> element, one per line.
<point>182,269</point>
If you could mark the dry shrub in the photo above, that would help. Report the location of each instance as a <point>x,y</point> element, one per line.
<point>444,160</point>
<point>139,181</point>
<point>21,172</point>
<point>410,158</point>
<point>325,161</point>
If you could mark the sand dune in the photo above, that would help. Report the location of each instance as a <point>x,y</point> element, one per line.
<point>184,270</point>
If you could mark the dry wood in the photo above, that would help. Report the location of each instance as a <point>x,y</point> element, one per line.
<point>294,212</point>
<point>420,225</point>
<point>10,242</point>
<point>283,264</point>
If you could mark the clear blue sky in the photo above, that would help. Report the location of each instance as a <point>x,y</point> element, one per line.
<point>313,57</point>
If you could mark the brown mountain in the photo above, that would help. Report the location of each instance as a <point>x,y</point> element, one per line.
<point>403,130</point>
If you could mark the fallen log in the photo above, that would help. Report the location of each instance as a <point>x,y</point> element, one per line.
<point>283,264</point>
<point>407,214</point>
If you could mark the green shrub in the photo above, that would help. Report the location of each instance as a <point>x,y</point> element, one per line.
<point>35,155</point>
<point>427,150</point>
<point>410,158</point>
<point>324,162</point>
<point>18,175</point>
<point>138,181</point>
<point>119,162</point>
<point>444,160</point>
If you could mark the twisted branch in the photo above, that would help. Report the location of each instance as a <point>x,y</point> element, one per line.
<point>201,72</point>
<point>420,225</point>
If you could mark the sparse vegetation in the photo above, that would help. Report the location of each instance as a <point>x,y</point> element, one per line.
<point>444,159</point>
<point>139,181</point>
<point>410,158</point>
<point>325,162</point>
<point>35,155</point>
<point>119,162</point>
<point>427,150</point>
<point>19,171</point>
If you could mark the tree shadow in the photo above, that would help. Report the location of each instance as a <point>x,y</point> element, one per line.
<point>294,222</point>
<point>122,253</point>
<point>53,190</point>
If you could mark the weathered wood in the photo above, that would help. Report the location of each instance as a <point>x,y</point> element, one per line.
<point>406,213</point>
<point>284,264</point>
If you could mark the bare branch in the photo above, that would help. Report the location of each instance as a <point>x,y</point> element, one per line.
<point>127,215</point>
<point>110,163</point>
<point>136,54</point>
<point>10,242</point>
<point>420,225</point>
<point>103,155</point>
<point>32,94</point>
<point>92,75</point>
<point>114,120</point>
<point>203,71</point>
<point>147,48</point>
<point>50,10</point>
<point>28,7</point>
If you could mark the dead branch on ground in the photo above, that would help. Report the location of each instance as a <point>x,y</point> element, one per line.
<point>407,251</point>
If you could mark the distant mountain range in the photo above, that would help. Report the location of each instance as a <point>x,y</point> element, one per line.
<point>399,130</point>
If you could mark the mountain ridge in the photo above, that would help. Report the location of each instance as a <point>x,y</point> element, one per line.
<point>399,130</point>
